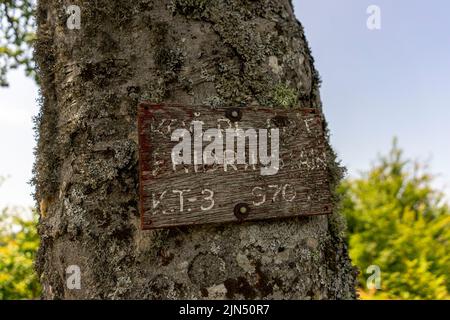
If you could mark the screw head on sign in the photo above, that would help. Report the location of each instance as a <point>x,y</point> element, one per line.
<point>241,211</point>
<point>234,114</point>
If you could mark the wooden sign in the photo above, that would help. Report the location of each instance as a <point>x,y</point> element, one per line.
<point>275,164</point>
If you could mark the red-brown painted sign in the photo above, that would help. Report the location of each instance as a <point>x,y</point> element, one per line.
<point>201,165</point>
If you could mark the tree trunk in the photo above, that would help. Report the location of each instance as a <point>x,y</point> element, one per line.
<point>227,53</point>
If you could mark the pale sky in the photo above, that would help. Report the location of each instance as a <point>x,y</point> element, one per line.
<point>376,85</point>
<point>17,107</point>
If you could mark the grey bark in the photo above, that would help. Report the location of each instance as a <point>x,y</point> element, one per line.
<point>226,53</point>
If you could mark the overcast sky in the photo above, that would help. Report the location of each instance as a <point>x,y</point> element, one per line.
<point>377,84</point>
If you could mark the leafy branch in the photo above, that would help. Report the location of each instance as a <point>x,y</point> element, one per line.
<point>17,34</point>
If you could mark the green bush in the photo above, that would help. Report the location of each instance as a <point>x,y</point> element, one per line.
<point>18,244</point>
<point>397,221</point>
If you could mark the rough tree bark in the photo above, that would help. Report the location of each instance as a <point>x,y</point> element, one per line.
<point>229,53</point>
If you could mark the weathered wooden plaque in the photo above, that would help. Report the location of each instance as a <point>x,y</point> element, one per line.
<point>174,193</point>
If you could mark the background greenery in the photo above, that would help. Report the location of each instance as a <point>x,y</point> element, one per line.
<point>397,221</point>
<point>17,34</point>
<point>18,244</point>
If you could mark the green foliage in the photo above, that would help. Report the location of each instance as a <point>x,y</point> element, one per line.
<point>17,33</point>
<point>284,96</point>
<point>18,245</point>
<point>396,220</point>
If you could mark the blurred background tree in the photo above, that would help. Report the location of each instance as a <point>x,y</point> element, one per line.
<point>18,245</point>
<point>17,33</point>
<point>398,221</point>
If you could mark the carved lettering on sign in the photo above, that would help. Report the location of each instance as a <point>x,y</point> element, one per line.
<point>203,165</point>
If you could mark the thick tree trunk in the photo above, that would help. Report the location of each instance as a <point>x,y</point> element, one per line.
<point>228,53</point>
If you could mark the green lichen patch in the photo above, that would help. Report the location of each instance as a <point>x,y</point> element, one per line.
<point>284,96</point>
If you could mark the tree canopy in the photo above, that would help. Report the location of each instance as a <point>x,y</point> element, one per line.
<point>398,221</point>
<point>17,33</point>
<point>18,245</point>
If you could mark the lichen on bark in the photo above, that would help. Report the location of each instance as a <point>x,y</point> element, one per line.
<point>227,53</point>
